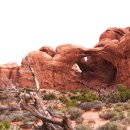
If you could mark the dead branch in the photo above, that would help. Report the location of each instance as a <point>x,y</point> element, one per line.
<point>51,120</point>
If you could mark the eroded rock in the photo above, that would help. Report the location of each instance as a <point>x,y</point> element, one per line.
<point>107,64</point>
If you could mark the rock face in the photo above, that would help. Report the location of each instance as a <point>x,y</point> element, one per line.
<point>107,64</point>
<point>54,69</point>
<point>8,75</point>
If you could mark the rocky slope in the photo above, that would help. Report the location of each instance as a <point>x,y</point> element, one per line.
<point>107,64</point>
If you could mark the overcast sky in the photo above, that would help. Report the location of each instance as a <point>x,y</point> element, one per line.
<point>27,25</point>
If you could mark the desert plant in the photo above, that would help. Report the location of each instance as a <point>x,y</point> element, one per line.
<point>74,112</point>
<point>86,106</point>
<point>123,92</point>
<point>121,87</point>
<point>63,99</point>
<point>83,127</point>
<point>75,97</point>
<point>118,109</point>
<point>72,103</point>
<point>88,96</point>
<point>3,96</point>
<point>97,105</point>
<point>50,96</point>
<point>79,120</point>
<point>112,126</point>
<point>118,117</point>
<point>5,125</point>
<point>108,114</point>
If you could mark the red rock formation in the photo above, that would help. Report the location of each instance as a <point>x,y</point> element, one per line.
<point>110,58</point>
<point>53,69</point>
<point>107,64</point>
<point>8,74</point>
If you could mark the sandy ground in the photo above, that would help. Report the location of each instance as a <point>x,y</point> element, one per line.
<point>92,117</point>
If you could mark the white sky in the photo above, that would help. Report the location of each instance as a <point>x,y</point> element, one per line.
<point>27,25</point>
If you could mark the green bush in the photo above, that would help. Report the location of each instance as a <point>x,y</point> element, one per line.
<point>63,99</point>
<point>118,109</point>
<point>50,96</point>
<point>72,103</point>
<point>121,88</point>
<point>88,97</point>
<point>83,127</point>
<point>108,114</point>
<point>5,125</point>
<point>118,117</point>
<point>123,92</point>
<point>75,97</point>
<point>86,106</point>
<point>97,105</point>
<point>112,126</point>
<point>74,113</point>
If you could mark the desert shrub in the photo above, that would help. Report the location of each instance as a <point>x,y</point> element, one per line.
<point>121,88</point>
<point>43,91</point>
<point>75,97</point>
<point>123,92</point>
<point>50,96</point>
<point>126,106</point>
<point>68,102</point>
<point>119,104</point>
<point>88,96</point>
<point>118,117</point>
<point>114,125</point>
<point>118,109</point>
<point>74,91</point>
<point>83,127</point>
<point>112,97</point>
<point>79,120</point>
<point>63,99</point>
<point>108,114</point>
<point>97,105</point>
<point>5,125</point>
<point>72,103</point>
<point>74,112</point>
<point>3,96</point>
<point>126,121</point>
<point>86,106</point>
